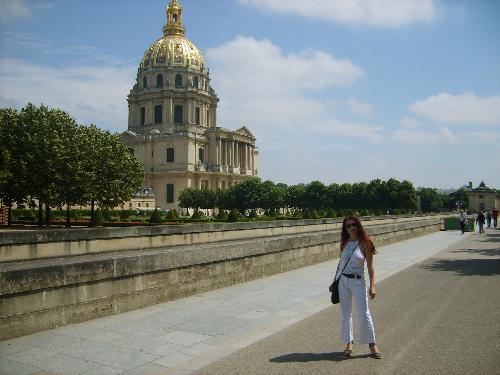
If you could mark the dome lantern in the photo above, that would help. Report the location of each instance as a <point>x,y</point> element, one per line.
<point>174,24</point>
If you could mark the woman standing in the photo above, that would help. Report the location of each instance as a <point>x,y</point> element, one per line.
<point>356,248</point>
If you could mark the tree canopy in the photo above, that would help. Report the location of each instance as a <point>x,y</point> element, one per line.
<point>46,157</point>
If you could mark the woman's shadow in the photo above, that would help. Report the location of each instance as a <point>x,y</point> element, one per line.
<point>314,357</point>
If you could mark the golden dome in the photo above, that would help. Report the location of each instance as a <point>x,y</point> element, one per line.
<point>174,49</point>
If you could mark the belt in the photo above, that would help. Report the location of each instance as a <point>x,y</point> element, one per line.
<point>352,275</point>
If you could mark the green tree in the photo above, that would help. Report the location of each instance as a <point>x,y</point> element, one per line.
<point>273,196</point>
<point>430,200</point>
<point>13,171</point>
<point>42,143</point>
<point>112,173</point>
<point>247,194</point>
<point>191,198</point>
<point>315,195</point>
<point>295,196</point>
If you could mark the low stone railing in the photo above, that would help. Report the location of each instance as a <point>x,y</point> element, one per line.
<point>50,278</point>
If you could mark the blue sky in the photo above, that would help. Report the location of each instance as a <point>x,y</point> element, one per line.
<point>334,90</point>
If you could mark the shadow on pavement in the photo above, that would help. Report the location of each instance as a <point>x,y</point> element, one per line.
<point>466,267</point>
<point>486,252</point>
<point>314,357</point>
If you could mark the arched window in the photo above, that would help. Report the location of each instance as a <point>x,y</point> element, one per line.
<point>201,155</point>
<point>158,114</point>
<point>178,114</point>
<point>143,116</point>
<point>197,115</point>
<point>170,155</point>
<point>175,18</point>
<point>144,82</point>
<point>159,80</point>
<point>196,82</point>
<point>178,80</point>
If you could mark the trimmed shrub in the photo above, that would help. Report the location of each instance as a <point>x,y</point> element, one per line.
<point>155,217</point>
<point>330,213</point>
<point>171,215</point>
<point>233,216</point>
<point>198,215</point>
<point>99,218</point>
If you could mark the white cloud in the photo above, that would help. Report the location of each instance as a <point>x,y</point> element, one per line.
<point>361,108</point>
<point>259,85</point>
<point>387,13</point>
<point>412,136</point>
<point>353,129</point>
<point>12,10</point>
<point>410,123</point>
<point>481,137</point>
<point>88,93</point>
<point>460,109</point>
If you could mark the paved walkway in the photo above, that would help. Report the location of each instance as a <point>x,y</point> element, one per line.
<point>440,316</point>
<point>185,335</point>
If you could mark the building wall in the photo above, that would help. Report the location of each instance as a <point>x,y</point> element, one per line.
<point>483,200</point>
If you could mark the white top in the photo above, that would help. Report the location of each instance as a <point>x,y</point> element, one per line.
<point>356,263</point>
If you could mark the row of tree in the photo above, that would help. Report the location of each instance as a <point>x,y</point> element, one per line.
<point>431,200</point>
<point>377,195</point>
<point>47,159</point>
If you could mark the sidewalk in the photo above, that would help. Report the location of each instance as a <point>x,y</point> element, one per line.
<point>185,335</point>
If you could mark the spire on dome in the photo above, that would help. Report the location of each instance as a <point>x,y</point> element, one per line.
<point>174,24</point>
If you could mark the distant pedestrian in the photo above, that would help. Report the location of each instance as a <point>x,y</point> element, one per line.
<point>480,221</point>
<point>488,218</point>
<point>494,215</point>
<point>462,219</point>
<point>356,248</point>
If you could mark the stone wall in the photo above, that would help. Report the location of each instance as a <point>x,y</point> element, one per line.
<point>53,278</point>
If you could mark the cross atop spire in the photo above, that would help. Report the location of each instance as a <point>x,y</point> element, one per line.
<point>174,24</point>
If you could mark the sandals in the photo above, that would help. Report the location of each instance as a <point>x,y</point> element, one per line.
<point>348,353</point>
<point>374,354</point>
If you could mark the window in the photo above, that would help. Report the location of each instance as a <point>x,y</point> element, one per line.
<point>481,196</point>
<point>208,118</point>
<point>170,193</point>
<point>175,18</point>
<point>178,114</point>
<point>197,115</point>
<point>143,116</point>
<point>139,204</point>
<point>147,204</point>
<point>170,155</point>
<point>130,206</point>
<point>201,155</point>
<point>144,82</point>
<point>178,81</point>
<point>196,82</point>
<point>158,114</point>
<point>159,80</point>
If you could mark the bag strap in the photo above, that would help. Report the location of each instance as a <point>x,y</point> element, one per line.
<point>348,259</point>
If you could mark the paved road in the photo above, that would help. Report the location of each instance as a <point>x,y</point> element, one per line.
<point>185,335</point>
<point>441,316</point>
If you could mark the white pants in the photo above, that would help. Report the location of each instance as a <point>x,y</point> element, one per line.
<point>356,288</point>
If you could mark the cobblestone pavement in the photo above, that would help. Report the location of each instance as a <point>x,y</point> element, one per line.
<point>182,336</point>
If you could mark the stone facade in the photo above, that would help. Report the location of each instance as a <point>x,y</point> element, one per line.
<point>483,198</point>
<point>172,126</point>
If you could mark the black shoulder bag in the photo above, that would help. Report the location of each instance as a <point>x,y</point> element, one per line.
<point>334,288</point>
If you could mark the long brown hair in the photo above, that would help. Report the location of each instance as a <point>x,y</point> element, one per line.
<point>363,237</point>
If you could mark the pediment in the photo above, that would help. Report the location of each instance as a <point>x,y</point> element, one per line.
<point>245,132</point>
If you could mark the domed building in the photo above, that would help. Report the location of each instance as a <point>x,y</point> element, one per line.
<point>172,122</point>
